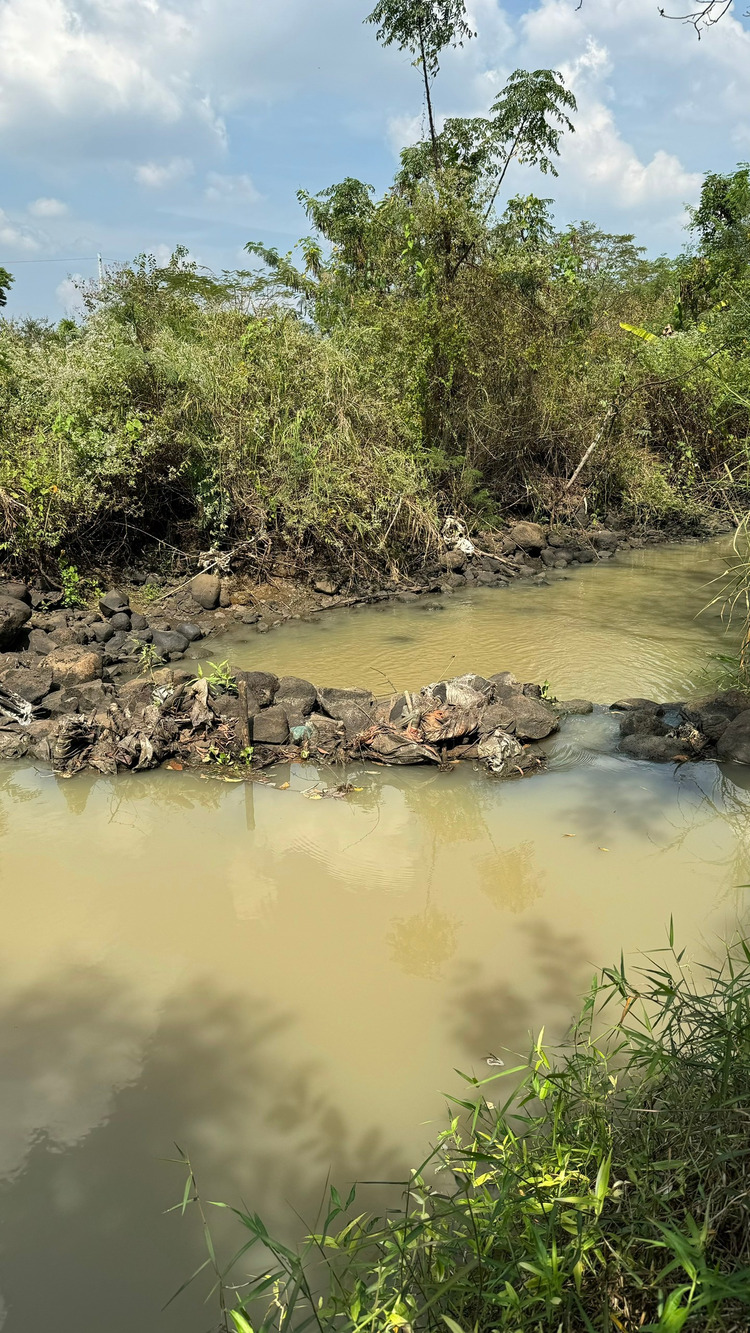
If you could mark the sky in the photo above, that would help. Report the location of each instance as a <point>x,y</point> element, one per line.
<point>136,125</point>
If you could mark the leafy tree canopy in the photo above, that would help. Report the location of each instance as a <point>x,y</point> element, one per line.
<point>424,27</point>
<point>5,282</point>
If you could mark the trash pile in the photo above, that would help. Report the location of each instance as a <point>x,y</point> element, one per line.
<point>252,719</point>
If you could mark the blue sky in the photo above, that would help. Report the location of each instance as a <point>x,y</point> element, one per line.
<point>131,125</point>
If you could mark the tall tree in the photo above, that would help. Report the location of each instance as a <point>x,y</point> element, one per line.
<point>5,282</point>
<point>424,27</point>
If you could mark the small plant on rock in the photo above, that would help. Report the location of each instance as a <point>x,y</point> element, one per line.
<point>220,678</point>
<point>70,580</point>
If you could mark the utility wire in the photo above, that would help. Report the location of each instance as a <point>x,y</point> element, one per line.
<point>76,259</point>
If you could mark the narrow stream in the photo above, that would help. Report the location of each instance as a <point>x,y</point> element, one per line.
<point>283,984</point>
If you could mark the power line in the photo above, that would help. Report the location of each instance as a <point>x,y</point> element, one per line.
<point>76,259</point>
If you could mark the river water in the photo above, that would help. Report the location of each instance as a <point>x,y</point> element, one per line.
<point>284,984</point>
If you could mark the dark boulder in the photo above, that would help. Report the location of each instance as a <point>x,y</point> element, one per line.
<point>60,701</point>
<point>628,705</point>
<point>270,727</point>
<point>642,722</point>
<point>167,641</point>
<point>190,632</point>
<point>573,707</point>
<point>657,749</point>
<point>120,621</point>
<point>298,697</point>
<point>29,685</point>
<point>261,686</point>
<point>16,589</point>
<point>505,684</point>
<point>13,617</point>
<point>137,621</point>
<point>39,642</point>
<point>352,707</point>
<point>528,718</point>
<point>734,743</point>
<point>112,603</point>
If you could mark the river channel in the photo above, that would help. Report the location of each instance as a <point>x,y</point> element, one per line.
<point>283,983</point>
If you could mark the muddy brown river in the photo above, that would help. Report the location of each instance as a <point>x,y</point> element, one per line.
<point>283,983</point>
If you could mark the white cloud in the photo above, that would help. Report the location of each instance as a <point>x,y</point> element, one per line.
<point>68,294</point>
<point>48,208</point>
<point>230,189</point>
<point>16,236</point>
<point>156,175</point>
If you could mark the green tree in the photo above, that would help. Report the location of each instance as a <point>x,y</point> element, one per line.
<point>424,27</point>
<point>5,283</point>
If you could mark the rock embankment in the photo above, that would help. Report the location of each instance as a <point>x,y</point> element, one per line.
<point>70,696</point>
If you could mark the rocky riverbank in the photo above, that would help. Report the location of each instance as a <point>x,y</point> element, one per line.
<point>70,696</point>
<point>215,592</point>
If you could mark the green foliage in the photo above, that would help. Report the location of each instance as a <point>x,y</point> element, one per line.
<point>220,678</point>
<point>6,281</point>
<point>424,27</point>
<point>70,580</point>
<point>605,1187</point>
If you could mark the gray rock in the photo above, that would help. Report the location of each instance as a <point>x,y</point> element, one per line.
<point>298,697</point>
<point>13,617</point>
<point>352,707</point>
<point>16,589</point>
<point>39,642</point>
<point>137,621</point>
<point>120,621</point>
<point>657,749</point>
<point>29,685</point>
<point>190,632</point>
<point>505,685</point>
<point>453,580</point>
<point>532,720</point>
<point>529,536</point>
<point>249,617</point>
<point>261,685</point>
<point>574,706</point>
<point>225,596</point>
<point>168,641</point>
<point>453,561</point>
<point>734,743</point>
<point>113,602</point>
<point>549,557</point>
<point>487,579</point>
<point>627,705</point>
<point>60,701</point>
<point>270,726</point>
<point>205,589</point>
<point>604,540</point>
<point>492,564</point>
<point>642,722</point>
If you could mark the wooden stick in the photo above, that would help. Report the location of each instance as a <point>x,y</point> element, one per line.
<point>244,720</point>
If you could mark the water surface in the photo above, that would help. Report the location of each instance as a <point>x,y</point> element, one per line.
<point>284,985</point>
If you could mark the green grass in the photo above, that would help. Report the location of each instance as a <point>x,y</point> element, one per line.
<point>602,1186</point>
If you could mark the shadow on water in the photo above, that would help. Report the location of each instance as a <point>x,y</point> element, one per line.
<point>92,1104</point>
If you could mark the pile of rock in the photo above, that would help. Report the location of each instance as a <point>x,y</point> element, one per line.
<point>714,728</point>
<point>528,550</point>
